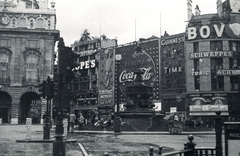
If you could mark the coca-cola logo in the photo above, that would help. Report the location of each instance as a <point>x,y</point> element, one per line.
<point>128,76</point>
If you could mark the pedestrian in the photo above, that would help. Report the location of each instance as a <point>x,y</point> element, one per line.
<point>80,122</point>
<point>68,119</point>
<point>72,121</point>
<point>44,119</point>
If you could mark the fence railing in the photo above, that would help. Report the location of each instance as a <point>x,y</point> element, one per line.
<point>205,151</point>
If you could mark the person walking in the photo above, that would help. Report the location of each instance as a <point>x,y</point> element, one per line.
<point>68,119</point>
<point>72,119</point>
<point>81,122</point>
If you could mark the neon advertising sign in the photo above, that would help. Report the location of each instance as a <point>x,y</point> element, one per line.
<point>132,61</point>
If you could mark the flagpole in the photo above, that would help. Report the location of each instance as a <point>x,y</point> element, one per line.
<point>160,25</point>
<point>135,30</point>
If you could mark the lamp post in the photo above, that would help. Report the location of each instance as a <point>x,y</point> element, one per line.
<point>59,145</point>
<point>46,129</point>
<point>117,120</point>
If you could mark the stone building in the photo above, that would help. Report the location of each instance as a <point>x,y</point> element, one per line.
<point>173,73</point>
<point>212,55</point>
<point>27,40</point>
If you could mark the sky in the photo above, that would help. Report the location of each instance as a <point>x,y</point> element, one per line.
<point>124,20</point>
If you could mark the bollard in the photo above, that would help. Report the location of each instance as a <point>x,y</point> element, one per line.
<point>65,125</point>
<point>151,151</point>
<point>160,148</point>
<point>190,145</point>
<point>28,128</point>
<point>105,154</point>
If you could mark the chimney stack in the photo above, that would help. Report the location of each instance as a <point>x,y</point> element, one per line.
<point>219,8</point>
<point>189,9</point>
<point>197,11</point>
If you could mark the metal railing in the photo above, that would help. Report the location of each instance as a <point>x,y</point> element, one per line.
<point>205,151</point>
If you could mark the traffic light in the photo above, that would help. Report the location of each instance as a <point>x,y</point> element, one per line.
<point>54,89</point>
<point>70,64</point>
<point>42,89</point>
<point>66,62</point>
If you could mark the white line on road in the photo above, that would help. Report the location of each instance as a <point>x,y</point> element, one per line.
<point>83,149</point>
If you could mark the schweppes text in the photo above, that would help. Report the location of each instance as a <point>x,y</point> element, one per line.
<point>211,54</point>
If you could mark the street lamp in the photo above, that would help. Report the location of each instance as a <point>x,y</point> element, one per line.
<point>117,120</point>
<point>46,129</point>
<point>59,145</point>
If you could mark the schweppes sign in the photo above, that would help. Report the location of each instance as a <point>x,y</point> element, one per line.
<point>211,54</point>
<point>228,72</point>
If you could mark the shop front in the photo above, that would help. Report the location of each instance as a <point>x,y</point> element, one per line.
<point>205,106</point>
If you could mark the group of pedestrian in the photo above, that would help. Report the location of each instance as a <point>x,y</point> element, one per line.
<point>71,121</point>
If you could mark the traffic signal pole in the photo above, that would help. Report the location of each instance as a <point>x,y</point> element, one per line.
<point>46,128</point>
<point>59,145</point>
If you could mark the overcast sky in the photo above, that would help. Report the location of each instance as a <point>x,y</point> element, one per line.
<point>119,18</point>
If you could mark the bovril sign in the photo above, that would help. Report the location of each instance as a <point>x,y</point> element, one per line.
<point>204,31</point>
<point>231,29</point>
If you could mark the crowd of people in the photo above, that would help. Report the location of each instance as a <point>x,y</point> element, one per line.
<point>103,121</point>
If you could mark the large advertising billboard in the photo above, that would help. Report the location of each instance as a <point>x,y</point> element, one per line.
<point>106,77</point>
<point>143,56</point>
<point>208,104</point>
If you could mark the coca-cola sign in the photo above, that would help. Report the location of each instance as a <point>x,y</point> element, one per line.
<point>145,58</point>
<point>128,76</point>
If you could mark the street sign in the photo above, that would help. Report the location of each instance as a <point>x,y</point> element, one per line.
<point>232,138</point>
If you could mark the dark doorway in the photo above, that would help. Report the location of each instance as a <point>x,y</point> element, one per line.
<point>28,100</point>
<point>4,115</point>
<point>5,105</point>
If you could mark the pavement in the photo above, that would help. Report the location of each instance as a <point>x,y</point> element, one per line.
<point>14,135</point>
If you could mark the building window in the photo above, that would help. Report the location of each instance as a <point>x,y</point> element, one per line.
<point>197,82</point>
<point>216,63</point>
<point>234,45</point>
<point>28,5</point>
<point>195,47</point>
<point>31,67</point>
<point>39,23</point>
<point>196,77</point>
<point>216,45</point>
<point>233,83</point>
<point>217,83</point>
<point>196,64</point>
<point>3,67</point>
<point>22,22</point>
<point>234,63</point>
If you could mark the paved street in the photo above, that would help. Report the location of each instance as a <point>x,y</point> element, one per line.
<point>9,147</point>
<point>138,144</point>
<point>93,143</point>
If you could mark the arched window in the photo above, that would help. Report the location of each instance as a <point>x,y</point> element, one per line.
<point>22,22</point>
<point>5,56</point>
<point>39,23</point>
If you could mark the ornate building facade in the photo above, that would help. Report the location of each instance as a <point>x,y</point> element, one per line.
<point>212,55</point>
<point>27,40</point>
